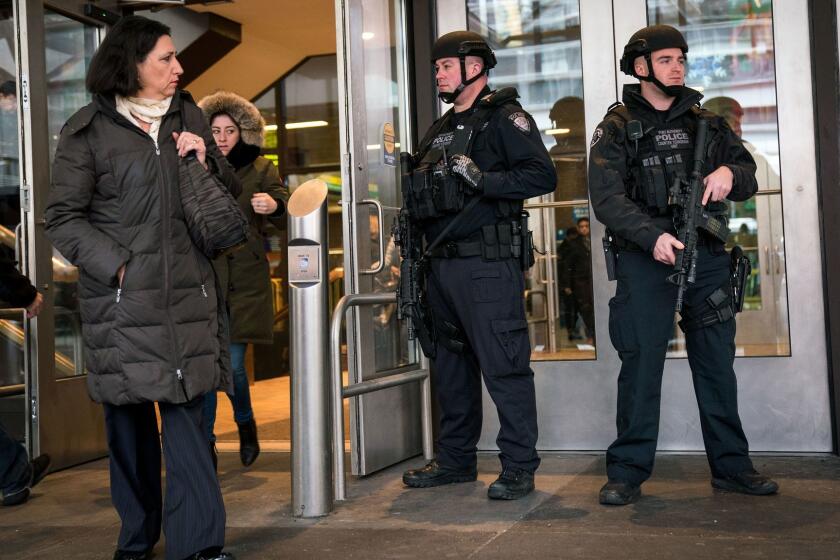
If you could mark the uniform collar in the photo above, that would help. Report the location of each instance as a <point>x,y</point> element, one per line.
<point>633,99</point>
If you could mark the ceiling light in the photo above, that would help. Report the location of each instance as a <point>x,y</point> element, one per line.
<point>367,36</point>
<point>552,131</point>
<point>305,124</point>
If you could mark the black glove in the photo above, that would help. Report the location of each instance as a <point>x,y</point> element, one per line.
<point>466,169</point>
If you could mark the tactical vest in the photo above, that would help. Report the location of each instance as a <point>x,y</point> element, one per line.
<point>429,189</point>
<point>662,154</point>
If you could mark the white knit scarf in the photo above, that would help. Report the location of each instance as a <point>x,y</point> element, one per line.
<point>150,111</point>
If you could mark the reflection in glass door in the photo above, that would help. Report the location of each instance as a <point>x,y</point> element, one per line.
<point>385,426</point>
<point>538,48</point>
<point>732,62</point>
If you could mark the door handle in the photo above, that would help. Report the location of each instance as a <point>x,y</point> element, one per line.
<point>380,217</point>
<point>777,258</point>
<point>767,259</point>
<point>18,247</point>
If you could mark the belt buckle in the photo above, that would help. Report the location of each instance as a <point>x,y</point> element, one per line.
<point>450,250</point>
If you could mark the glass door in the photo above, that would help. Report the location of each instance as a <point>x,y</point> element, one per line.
<point>54,52</point>
<point>384,426</point>
<point>747,57</point>
<point>13,327</point>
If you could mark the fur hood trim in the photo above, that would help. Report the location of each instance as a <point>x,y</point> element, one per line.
<point>242,111</point>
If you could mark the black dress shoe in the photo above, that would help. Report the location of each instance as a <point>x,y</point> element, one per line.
<point>618,493</point>
<point>249,447</point>
<point>128,555</point>
<point>435,474</point>
<point>747,482</point>
<point>512,484</point>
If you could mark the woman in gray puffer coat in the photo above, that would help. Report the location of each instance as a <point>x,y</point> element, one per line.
<point>244,277</point>
<point>153,328</point>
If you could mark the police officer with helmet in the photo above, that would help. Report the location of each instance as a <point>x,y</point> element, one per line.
<point>640,149</point>
<point>463,190</point>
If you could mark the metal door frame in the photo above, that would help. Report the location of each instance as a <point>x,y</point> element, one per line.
<point>784,400</point>
<point>356,235</point>
<point>51,402</point>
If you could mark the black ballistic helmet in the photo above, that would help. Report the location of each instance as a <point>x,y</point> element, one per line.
<point>460,45</point>
<point>646,41</point>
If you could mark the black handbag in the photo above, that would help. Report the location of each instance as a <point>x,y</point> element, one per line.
<point>215,222</point>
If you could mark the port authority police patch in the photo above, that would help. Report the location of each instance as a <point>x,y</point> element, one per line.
<point>520,121</point>
<point>599,133</point>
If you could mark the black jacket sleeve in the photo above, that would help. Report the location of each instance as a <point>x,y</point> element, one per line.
<point>530,171</point>
<point>608,175</point>
<point>68,227</point>
<point>731,152</point>
<point>15,288</point>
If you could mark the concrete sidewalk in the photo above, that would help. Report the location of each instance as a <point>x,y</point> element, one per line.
<point>679,516</point>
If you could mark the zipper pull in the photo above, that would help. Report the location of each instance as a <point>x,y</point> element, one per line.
<point>179,375</point>
<point>119,293</point>
<point>157,150</point>
<point>203,291</point>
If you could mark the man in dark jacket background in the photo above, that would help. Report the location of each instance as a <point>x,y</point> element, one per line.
<point>17,473</point>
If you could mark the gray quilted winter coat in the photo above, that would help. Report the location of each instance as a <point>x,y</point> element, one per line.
<point>114,200</point>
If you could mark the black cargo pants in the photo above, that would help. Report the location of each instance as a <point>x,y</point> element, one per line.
<point>484,302</point>
<point>641,322</point>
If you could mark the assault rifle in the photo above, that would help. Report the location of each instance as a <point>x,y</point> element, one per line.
<point>686,197</point>
<point>411,291</point>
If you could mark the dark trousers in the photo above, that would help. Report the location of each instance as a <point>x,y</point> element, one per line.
<point>193,515</point>
<point>484,302</point>
<point>13,462</point>
<point>641,322</point>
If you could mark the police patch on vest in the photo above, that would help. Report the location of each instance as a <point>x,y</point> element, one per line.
<point>521,121</point>
<point>672,139</point>
<point>599,133</point>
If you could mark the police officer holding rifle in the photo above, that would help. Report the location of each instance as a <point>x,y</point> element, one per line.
<point>465,243</point>
<point>660,171</point>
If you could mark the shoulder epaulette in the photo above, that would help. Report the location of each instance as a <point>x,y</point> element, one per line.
<point>500,97</point>
<point>618,108</point>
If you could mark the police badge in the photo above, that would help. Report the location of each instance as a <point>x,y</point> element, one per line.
<point>520,121</point>
<point>599,133</point>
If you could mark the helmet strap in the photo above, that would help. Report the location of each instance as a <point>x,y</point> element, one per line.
<point>670,91</point>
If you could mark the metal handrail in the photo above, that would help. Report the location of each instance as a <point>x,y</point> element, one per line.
<point>340,392</point>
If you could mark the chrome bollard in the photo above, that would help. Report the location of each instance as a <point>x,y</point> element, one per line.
<point>312,492</point>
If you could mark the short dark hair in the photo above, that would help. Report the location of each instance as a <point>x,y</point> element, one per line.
<point>583,219</point>
<point>8,88</point>
<point>113,69</point>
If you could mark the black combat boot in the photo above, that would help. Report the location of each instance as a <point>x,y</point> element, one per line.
<point>619,493</point>
<point>747,482</point>
<point>249,447</point>
<point>512,484</point>
<point>435,474</point>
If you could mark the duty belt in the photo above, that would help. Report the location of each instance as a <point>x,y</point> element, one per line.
<point>453,249</point>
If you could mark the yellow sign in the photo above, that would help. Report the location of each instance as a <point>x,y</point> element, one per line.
<point>389,154</point>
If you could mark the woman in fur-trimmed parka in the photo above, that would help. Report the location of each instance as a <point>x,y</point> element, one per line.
<point>237,127</point>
